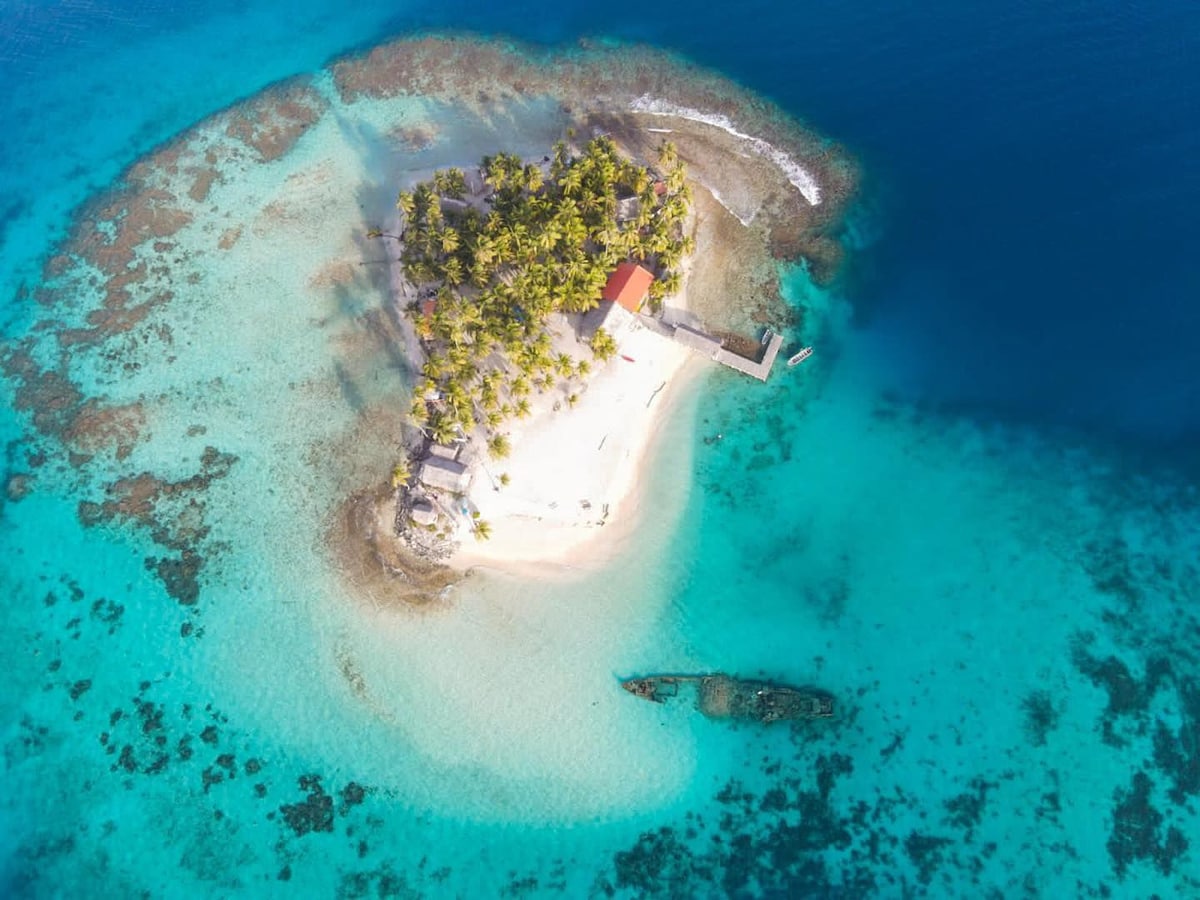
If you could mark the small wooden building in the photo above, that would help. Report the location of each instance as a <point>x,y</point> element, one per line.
<point>443,474</point>
<point>628,285</point>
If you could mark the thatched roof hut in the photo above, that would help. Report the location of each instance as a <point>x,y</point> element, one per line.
<point>444,475</point>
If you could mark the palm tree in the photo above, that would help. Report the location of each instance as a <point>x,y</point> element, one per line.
<point>400,474</point>
<point>668,156</point>
<point>444,430</point>
<point>499,446</point>
<point>603,345</point>
<point>482,530</point>
<point>533,178</point>
<point>452,271</point>
<point>564,364</point>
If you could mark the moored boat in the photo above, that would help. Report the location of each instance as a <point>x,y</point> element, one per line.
<point>724,697</point>
<point>796,358</point>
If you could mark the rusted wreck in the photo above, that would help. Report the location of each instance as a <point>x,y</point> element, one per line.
<point>721,696</point>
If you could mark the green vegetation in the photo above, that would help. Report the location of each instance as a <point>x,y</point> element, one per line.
<point>499,446</point>
<point>401,474</point>
<point>545,241</point>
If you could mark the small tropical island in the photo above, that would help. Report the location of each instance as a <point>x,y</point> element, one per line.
<point>544,310</point>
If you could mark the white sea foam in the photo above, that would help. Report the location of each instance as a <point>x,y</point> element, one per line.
<point>799,177</point>
<point>745,220</point>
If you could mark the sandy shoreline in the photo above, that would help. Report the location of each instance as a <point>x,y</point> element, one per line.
<point>577,475</point>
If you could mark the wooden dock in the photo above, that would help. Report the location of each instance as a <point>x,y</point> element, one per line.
<point>759,369</point>
<point>710,347</point>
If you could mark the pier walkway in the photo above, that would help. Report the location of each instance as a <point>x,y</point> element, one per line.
<point>760,369</point>
<point>708,346</point>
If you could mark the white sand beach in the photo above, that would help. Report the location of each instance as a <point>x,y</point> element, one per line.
<point>574,471</point>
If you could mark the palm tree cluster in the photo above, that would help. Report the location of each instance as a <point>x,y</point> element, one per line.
<point>547,242</point>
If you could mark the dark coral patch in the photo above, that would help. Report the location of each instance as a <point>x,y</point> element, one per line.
<point>659,863</point>
<point>774,845</point>
<point>50,396</point>
<point>180,575</point>
<point>202,184</point>
<point>1040,716</point>
<point>115,317</point>
<point>926,852</point>
<point>1137,830</point>
<point>352,795</point>
<point>314,812</point>
<point>380,882</point>
<point>95,428</point>
<point>79,688</point>
<point>272,122</point>
<point>965,810</point>
<point>172,513</point>
<point>17,486</point>
<point>58,409</point>
<point>1177,751</point>
<point>109,232</point>
<point>1128,697</point>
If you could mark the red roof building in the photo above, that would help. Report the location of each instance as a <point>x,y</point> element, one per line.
<point>627,285</point>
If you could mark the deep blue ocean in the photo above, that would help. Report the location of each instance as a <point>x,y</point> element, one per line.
<point>982,527</point>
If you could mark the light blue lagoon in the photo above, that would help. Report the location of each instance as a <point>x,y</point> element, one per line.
<point>209,694</point>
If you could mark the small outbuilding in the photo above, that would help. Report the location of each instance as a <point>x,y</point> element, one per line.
<point>443,474</point>
<point>628,285</point>
<point>423,512</point>
<point>628,208</point>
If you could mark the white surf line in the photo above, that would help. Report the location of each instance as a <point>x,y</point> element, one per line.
<point>799,177</point>
<point>729,209</point>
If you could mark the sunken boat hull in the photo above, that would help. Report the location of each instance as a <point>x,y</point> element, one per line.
<point>724,697</point>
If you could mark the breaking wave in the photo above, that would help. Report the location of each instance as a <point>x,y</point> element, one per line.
<point>796,174</point>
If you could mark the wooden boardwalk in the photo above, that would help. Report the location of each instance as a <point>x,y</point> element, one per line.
<point>756,369</point>
<point>710,347</point>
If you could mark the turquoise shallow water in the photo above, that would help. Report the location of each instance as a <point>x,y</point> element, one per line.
<point>1004,611</point>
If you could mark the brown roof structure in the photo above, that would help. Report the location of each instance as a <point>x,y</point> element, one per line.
<point>444,474</point>
<point>627,285</point>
